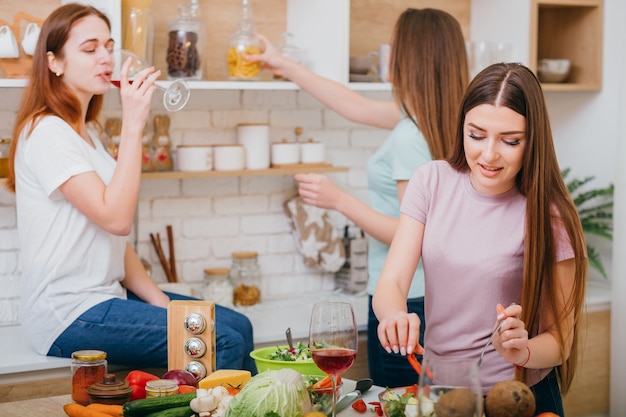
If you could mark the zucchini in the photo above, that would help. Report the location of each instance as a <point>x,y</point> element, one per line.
<point>184,411</point>
<point>143,407</point>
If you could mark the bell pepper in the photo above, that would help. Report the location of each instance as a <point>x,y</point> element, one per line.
<point>137,381</point>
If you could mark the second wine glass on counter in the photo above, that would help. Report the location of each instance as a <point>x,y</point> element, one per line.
<point>175,95</point>
<point>333,339</point>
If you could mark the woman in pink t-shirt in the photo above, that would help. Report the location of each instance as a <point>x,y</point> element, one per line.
<point>494,226</point>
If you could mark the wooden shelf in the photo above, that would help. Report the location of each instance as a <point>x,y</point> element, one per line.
<point>177,175</point>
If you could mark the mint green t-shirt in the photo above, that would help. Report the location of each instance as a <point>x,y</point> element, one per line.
<point>400,155</point>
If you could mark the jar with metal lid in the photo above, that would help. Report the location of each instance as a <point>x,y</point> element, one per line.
<point>161,388</point>
<point>242,43</point>
<point>88,367</point>
<point>217,286</point>
<point>185,44</point>
<point>245,275</point>
<point>5,144</point>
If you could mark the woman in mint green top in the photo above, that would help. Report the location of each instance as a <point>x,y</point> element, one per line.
<point>428,73</point>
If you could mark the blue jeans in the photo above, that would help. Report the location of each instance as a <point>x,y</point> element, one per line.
<point>391,369</point>
<point>134,333</point>
<point>548,395</point>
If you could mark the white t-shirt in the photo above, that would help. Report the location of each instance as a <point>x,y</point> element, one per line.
<point>69,264</point>
<point>473,255</point>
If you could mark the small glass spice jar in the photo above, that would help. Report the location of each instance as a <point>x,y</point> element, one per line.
<point>217,286</point>
<point>246,277</point>
<point>161,388</point>
<point>88,367</point>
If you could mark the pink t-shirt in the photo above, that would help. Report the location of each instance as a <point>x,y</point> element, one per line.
<point>472,254</point>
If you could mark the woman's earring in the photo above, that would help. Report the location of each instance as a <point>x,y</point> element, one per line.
<point>58,73</point>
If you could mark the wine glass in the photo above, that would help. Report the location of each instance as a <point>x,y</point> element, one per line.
<point>449,377</point>
<point>333,339</point>
<point>175,96</point>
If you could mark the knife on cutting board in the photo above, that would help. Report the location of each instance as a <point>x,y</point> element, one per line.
<point>361,387</point>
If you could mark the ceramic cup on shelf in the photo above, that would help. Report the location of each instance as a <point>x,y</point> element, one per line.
<point>311,152</point>
<point>229,157</point>
<point>192,158</point>
<point>29,39</point>
<point>8,43</point>
<point>285,153</point>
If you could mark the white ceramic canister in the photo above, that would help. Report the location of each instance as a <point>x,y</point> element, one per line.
<point>285,153</point>
<point>194,157</point>
<point>229,157</point>
<point>311,152</point>
<point>256,140</point>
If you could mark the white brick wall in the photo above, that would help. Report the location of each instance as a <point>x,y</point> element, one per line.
<point>211,218</point>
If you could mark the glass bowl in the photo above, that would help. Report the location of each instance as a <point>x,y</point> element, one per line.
<point>404,401</point>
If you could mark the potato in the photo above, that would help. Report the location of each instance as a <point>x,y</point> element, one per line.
<point>459,402</point>
<point>510,399</point>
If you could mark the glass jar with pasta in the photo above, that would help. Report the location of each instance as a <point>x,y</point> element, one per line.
<point>244,42</point>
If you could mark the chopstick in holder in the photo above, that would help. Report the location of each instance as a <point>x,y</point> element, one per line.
<point>170,241</point>
<point>156,242</point>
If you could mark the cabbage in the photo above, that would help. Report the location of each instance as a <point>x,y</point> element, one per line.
<point>282,391</point>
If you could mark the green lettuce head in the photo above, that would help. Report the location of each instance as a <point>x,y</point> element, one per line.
<point>282,392</point>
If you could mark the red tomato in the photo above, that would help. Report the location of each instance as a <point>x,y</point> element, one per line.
<point>377,408</point>
<point>359,406</point>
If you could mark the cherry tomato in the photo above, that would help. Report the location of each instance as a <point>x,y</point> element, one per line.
<point>359,406</point>
<point>377,408</point>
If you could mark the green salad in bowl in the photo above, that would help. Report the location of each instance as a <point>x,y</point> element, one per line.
<point>279,357</point>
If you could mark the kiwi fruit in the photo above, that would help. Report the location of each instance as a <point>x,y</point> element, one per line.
<point>510,399</point>
<point>459,402</point>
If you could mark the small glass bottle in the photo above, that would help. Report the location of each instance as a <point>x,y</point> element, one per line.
<point>185,47</point>
<point>289,50</point>
<point>161,388</point>
<point>244,42</point>
<point>218,287</point>
<point>88,367</point>
<point>246,278</point>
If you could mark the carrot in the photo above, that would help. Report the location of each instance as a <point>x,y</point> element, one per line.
<point>326,382</point>
<point>184,389</point>
<point>110,409</point>
<point>77,410</point>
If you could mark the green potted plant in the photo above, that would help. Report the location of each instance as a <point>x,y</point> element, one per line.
<point>595,208</point>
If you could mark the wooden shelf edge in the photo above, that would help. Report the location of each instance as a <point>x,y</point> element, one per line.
<point>177,175</point>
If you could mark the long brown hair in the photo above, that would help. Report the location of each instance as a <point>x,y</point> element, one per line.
<point>548,202</point>
<point>429,73</point>
<point>46,93</point>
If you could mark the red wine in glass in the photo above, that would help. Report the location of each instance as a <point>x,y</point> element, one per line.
<point>175,96</point>
<point>334,361</point>
<point>333,339</point>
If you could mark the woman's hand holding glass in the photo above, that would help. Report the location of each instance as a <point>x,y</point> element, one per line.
<point>136,94</point>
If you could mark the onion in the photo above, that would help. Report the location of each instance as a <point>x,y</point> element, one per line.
<point>182,377</point>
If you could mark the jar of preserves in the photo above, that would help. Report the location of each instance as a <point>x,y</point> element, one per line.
<point>88,367</point>
<point>185,46</point>
<point>217,286</point>
<point>4,157</point>
<point>244,42</point>
<point>161,388</point>
<point>246,277</point>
